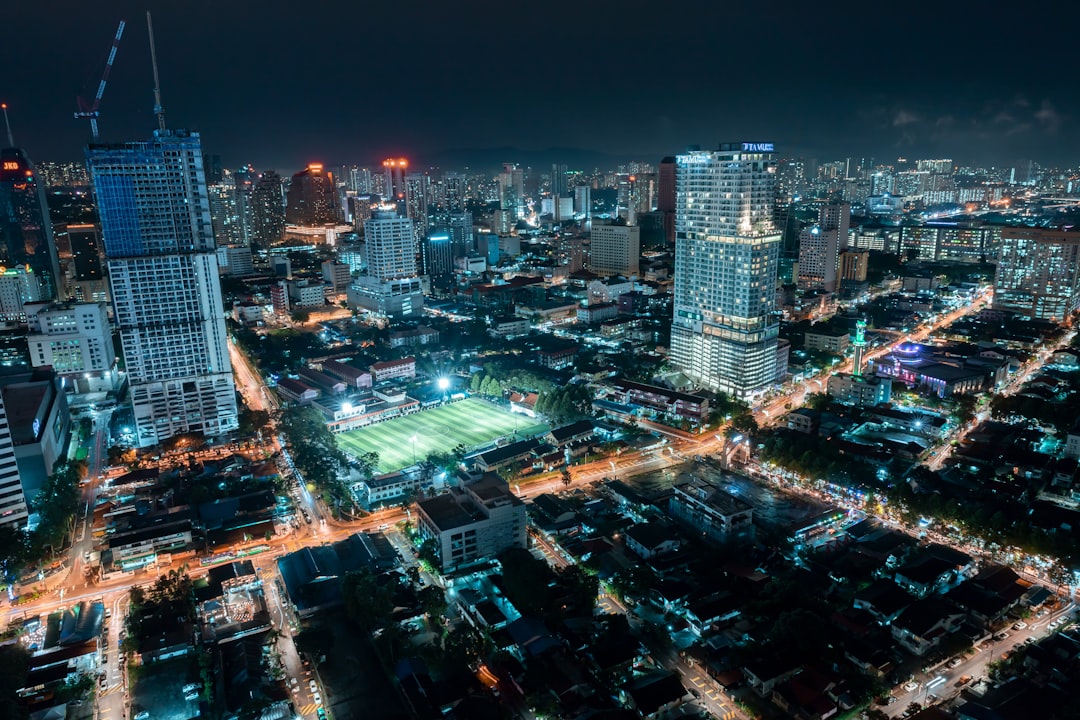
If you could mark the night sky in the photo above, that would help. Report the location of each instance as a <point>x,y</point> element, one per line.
<point>279,83</point>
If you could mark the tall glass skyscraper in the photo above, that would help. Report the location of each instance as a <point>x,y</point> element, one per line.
<point>163,278</point>
<point>26,232</point>
<point>724,330</point>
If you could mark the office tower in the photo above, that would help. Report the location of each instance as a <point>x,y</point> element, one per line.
<point>235,260</point>
<point>163,279</point>
<point>583,201</point>
<point>724,331</point>
<point>391,289</point>
<point>390,245</point>
<point>312,198</point>
<point>267,210</point>
<point>1038,273</point>
<point>820,247</point>
<point>558,190</point>
<point>337,275</point>
<point>13,512</point>
<point>416,202</point>
<point>615,249</point>
<point>26,231</point>
<point>438,255</point>
<point>461,234</point>
<point>394,179</point>
<point>511,190</point>
<point>665,196</point>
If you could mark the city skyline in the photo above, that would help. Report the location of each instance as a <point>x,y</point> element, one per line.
<point>253,98</point>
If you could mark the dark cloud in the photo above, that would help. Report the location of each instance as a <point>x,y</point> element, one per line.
<point>277,83</point>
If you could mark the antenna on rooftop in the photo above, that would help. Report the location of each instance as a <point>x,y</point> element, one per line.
<point>10,138</point>
<point>158,109</point>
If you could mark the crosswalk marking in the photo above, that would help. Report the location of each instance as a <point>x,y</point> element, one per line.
<point>308,709</point>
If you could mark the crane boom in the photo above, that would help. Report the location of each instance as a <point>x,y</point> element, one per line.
<point>92,111</point>
<point>158,109</point>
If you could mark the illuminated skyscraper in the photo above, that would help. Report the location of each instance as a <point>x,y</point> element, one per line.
<point>390,245</point>
<point>267,210</point>
<point>820,247</point>
<point>1038,273</point>
<point>163,279</point>
<point>312,198</point>
<point>26,232</point>
<point>13,512</point>
<point>724,331</point>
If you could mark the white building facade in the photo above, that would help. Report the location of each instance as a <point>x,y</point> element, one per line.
<point>163,278</point>
<point>724,330</point>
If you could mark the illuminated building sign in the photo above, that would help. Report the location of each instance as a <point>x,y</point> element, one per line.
<point>693,159</point>
<point>758,147</point>
<point>11,164</point>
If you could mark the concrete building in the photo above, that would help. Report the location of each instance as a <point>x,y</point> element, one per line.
<point>236,260</point>
<point>615,250</point>
<point>835,342</point>
<point>163,279</point>
<point>390,246</point>
<point>338,275</point>
<point>39,424</point>
<point>710,511</point>
<point>820,247</point>
<point>306,294</point>
<point>76,341</point>
<point>13,510</point>
<point>473,523</point>
<point>404,369</point>
<point>1038,273</point>
<point>400,299</point>
<point>724,330</point>
<point>860,390</point>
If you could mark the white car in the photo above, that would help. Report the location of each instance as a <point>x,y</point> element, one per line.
<point>313,686</point>
<point>1019,625</point>
<point>317,699</point>
<point>911,686</point>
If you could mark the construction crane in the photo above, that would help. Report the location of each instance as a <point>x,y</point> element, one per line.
<point>91,111</point>
<point>158,109</point>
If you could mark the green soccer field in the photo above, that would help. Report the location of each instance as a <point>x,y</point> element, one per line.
<point>441,429</point>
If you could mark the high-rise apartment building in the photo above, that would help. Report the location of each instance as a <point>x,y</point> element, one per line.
<point>820,247</point>
<point>724,330</point>
<point>312,198</point>
<point>390,245</point>
<point>416,202</point>
<point>267,210</point>
<point>665,197</point>
<point>615,249</point>
<point>13,511</point>
<point>461,234</point>
<point>163,279</point>
<point>1038,273</point>
<point>26,231</point>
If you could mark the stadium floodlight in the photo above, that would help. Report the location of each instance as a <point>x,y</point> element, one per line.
<point>444,383</point>
<point>347,406</point>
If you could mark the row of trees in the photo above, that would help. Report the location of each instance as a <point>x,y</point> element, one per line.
<point>315,451</point>
<point>55,506</point>
<point>565,403</point>
<point>487,385</point>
